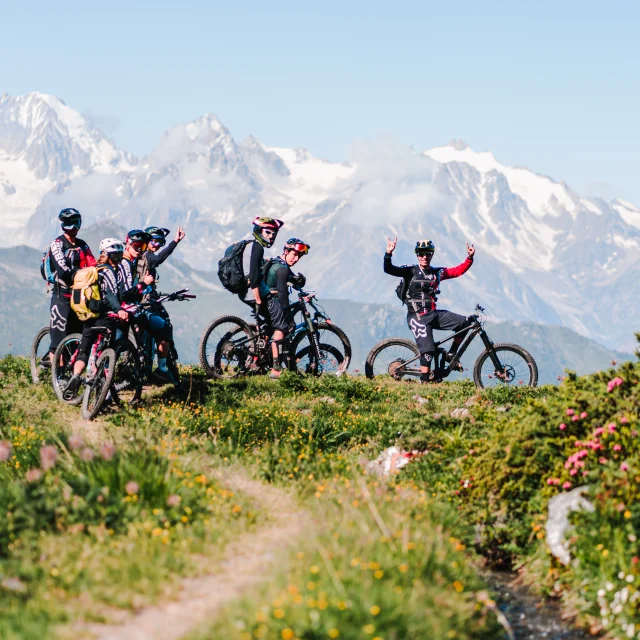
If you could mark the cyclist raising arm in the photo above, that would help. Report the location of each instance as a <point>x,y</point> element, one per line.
<point>422,288</point>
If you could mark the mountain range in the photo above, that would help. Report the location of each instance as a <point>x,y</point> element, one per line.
<point>545,254</point>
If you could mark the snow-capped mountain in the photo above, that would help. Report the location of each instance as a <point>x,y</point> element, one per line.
<point>545,253</point>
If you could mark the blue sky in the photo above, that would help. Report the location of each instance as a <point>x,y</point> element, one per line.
<point>550,85</point>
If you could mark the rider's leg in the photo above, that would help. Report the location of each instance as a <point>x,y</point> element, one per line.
<point>80,364</point>
<point>59,319</point>
<point>280,325</point>
<point>276,341</point>
<point>422,330</point>
<point>449,321</point>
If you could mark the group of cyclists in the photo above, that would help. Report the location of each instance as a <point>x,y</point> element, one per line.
<point>128,273</point>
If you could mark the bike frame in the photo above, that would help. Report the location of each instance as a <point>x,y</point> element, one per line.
<point>444,370</point>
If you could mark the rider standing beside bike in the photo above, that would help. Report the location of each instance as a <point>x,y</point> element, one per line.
<point>277,277</point>
<point>67,254</point>
<point>258,295</point>
<point>111,251</point>
<point>421,286</point>
<point>131,290</point>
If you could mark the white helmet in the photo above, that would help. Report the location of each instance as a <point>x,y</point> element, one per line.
<point>111,245</point>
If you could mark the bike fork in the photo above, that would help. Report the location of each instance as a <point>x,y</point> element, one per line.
<point>488,343</point>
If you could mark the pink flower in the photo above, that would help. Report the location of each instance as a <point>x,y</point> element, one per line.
<point>570,412</point>
<point>563,426</point>
<point>87,454</point>
<point>598,431</point>
<point>624,420</point>
<point>108,450</point>
<point>566,485</point>
<point>611,427</point>
<point>620,506</point>
<point>174,500</point>
<point>583,415</point>
<point>554,481</point>
<point>5,450</point>
<point>612,384</point>
<point>573,472</point>
<point>132,487</point>
<point>617,447</point>
<point>33,475</point>
<point>602,460</point>
<point>48,456</point>
<point>76,442</point>
<point>575,418</point>
<point>585,473</point>
<point>624,467</point>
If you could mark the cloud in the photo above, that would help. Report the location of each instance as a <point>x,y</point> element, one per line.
<point>392,183</point>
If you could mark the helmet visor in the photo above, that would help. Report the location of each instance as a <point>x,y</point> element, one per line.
<point>157,242</point>
<point>300,247</point>
<point>74,223</point>
<point>139,245</point>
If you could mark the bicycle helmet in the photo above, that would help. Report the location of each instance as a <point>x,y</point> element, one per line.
<point>111,245</point>
<point>138,235</point>
<point>158,235</point>
<point>425,246</point>
<point>70,219</point>
<point>297,245</point>
<point>264,223</point>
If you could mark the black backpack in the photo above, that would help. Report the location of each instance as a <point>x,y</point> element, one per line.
<point>230,268</point>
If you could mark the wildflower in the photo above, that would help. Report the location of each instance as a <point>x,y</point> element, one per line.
<point>369,628</point>
<point>458,586</point>
<point>278,613</point>
<point>583,415</point>
<point>174,500</point>
<point>602,460</point>
<point>48,456</point>
<point>33,475</point>
<point>575,418</point>
<point>554,481</point>
<point>5,451</point>
<point>374,610</point>
<point>566,485</point>
<point>87,454</point>
<point>334,633</point>
<point>132,487</point>
<point>76,441</point>
<point>624,467</point>
<point>570,412</point>
<point>563,426</point>
<point>612,384</point>
<point>624,420</point>
<point>289,634</point>
<point>107,450</point>
<point>617,447</point>
<point>611,427</point>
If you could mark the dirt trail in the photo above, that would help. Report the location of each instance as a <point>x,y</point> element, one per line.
<point>247,563</point>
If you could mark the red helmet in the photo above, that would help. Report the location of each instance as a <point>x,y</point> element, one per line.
<point>297,245</point>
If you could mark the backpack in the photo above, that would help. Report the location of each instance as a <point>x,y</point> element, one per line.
<point>46,271</point>
<point>85,293</point>
<point>230,269</point>
<point>401,290</point>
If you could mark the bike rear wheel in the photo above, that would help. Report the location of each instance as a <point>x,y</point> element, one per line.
<point>335,351</point>
<point>128,376</point>
<point>62,367</point>
<point>227,348</point>
<point>98,386</point>
<point>519,367</point>
<point>39,357</point>
<point>388,358</point>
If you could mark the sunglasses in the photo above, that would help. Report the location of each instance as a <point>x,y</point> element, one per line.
<point>73,224</point>
<point>269,232</point>
<point>115,257</point>
<point>139,246</point>
<point>424,254</point>
<point>158,242</point>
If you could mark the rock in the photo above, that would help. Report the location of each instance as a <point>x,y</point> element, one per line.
<point>460,412</point>
<point>13,584</point>
<point>502,409</point>
<point>558,520</point>
<point>472,400</point>
<point>305,412</point>
<point>419,399</point>
<point>327,399</point>
<point>390,461</point>
<point>437,416</point>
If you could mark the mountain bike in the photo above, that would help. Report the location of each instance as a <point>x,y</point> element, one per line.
<point>61,366</point>
<point>231,347</point>
<point>498,364</point>
<point>39,356</point>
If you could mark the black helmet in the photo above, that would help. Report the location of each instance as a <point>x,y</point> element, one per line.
<point>70,219</point>
<point>297,245</point>
<point>425,246</point>
<point>138,235</point>
<point>157,232</point>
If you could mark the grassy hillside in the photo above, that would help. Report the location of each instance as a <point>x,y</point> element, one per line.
<point>109,516</point>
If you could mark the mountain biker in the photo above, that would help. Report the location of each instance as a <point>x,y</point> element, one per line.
<point>111,251</point>
<point>277,277</point>
<point>131,288</point>
<point>257,294</point>
<point>422,287</point>
<point>68,254</point>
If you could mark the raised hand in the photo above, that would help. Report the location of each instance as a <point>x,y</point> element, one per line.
<point>179,234</point>
<point>391,244</point>
<point>470,250</point>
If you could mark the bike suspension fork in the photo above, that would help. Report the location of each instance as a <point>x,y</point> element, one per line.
<point>488,343</point>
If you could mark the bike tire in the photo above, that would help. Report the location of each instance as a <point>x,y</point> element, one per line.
<point>61,373</point>
<point>127,375</point>
<point>507,347</point>
<point>323,328</point>
<point>35,358</point>
<point>384,345</point>
<point>327,350</point>
<point>97,389</point>
<point>213,365</point>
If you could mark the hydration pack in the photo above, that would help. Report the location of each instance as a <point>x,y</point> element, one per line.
<point>46,270</point>
<point>85,293</point>
<point>231,270</point>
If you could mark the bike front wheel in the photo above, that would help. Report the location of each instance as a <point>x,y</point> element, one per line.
<point>62,367</point>
<point>390,356</point>
<point>128,375</point>
<point>517,364</point>
<point>334,347</point>
<point>98,386</point>
<point>39,358</point>
<point>227,348</point>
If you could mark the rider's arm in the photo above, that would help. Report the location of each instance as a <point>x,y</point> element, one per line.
<point>282,285</point>
<point>403,272</point>
<point>89,259</point>
<point>156,259</point>
<point>127,290</point>
<point>454,272</point>
<point>109,289</point>
<point>64,272</point>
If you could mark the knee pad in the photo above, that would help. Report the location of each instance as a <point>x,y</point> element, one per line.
<point>426,359</point>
